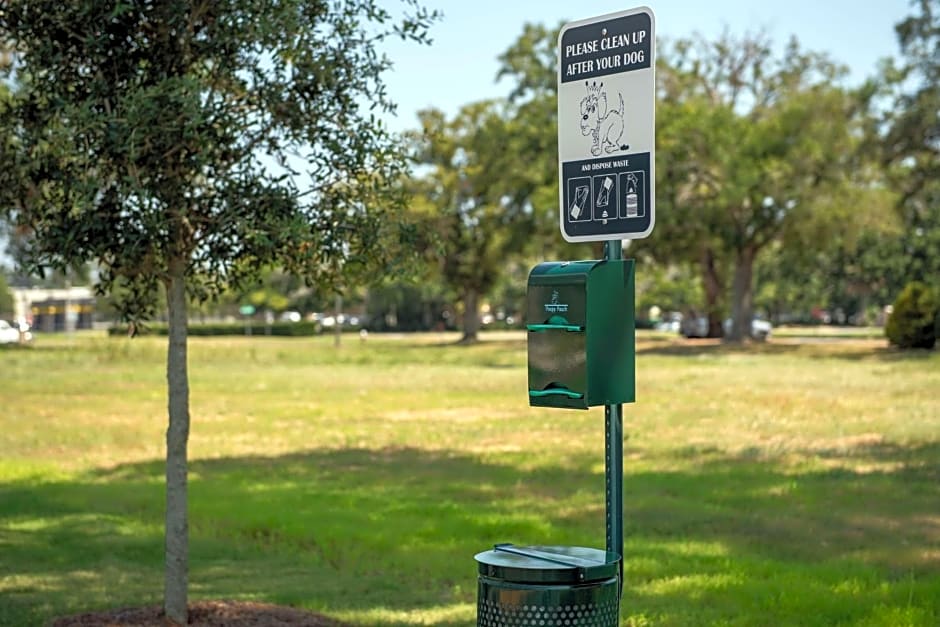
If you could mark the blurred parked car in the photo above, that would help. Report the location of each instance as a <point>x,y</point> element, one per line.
<point>760,329</point>
<point>671,322</point>
<point>697,326</point>
<point>347,321</point>
<point>14,333</point>
<point>670,326</point>
<point>694,326</point>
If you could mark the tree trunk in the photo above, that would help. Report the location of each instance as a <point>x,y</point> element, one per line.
<point>742,295</point>
<point>427,318</point>
<point>711,281</point>
<point>471,316</point>
<point>338,326</point>
<point>176,573</point>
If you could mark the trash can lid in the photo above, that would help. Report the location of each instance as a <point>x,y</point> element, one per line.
<point>547,564</point>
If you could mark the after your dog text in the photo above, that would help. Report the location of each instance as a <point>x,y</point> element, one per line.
<point>614,44</point>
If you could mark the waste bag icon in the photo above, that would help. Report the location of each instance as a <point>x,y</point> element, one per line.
<point>580,201</point>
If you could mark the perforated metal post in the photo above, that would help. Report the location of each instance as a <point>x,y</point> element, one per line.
<point>613,458</point>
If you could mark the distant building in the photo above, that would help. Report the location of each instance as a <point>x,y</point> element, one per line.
<point>54,309</point>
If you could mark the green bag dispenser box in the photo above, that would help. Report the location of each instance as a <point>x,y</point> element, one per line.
<point>581,345</point>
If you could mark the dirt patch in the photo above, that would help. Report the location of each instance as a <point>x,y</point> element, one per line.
<point>203,614</point>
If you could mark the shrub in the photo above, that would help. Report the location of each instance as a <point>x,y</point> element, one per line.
<point>915,320</point>
<point>290,329</point>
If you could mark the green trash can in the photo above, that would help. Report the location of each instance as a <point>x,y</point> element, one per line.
<point>547,586</point>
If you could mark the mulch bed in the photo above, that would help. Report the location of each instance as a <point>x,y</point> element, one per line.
<point>203,614</point>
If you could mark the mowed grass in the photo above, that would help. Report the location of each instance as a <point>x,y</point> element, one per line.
<point>789,483</point>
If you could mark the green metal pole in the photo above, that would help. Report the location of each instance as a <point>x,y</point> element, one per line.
<point>613,446</point>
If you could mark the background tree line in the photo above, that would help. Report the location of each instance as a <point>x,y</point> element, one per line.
<point>782,190</point>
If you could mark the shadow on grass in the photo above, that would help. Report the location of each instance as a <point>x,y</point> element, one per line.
<point>849,349</point>
<point>884,353</point>
<point>395,531</point>
<point>713,348</point>
<point>480,343</point>
<point>877,505</point>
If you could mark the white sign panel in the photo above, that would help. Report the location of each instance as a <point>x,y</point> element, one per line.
<point>606,126</point>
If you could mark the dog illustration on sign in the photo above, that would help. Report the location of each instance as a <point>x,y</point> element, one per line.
<point>605,127</point>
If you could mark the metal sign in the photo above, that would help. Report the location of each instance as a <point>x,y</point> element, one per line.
<point>606,126</point>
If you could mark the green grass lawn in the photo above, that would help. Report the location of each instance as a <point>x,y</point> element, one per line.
<point>789,483</point>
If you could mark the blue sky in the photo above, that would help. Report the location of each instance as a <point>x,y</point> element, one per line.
<point>460,67</point>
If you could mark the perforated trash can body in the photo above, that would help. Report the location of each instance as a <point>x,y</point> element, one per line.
<point>547,586</point>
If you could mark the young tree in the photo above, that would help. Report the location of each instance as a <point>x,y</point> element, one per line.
<point>188,143</point>
<point>468,200</point>
<point>689,147</point>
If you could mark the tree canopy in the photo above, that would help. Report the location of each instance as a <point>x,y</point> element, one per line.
<point>757,148</point>
<point>909,141</point>
<point>768,166</point>
<point>221,134</point>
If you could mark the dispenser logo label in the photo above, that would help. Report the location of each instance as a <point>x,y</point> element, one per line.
<point>554,306</point>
